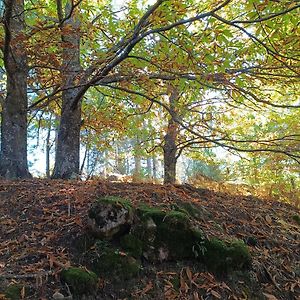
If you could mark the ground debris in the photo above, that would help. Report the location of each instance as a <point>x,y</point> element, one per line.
<point>39,220</point>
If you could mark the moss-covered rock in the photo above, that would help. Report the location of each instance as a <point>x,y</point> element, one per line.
<point>13,292</point>
<point>145,212</point>
<point>80,281</point>
<point>193,210</point>
<point>165,235</point>
<point>159,234</point>
<point>132,245</point>
<point>111,262</point>
<point>110,217</point>
<point>222,257</point>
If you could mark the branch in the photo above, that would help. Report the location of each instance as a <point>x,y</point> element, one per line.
<point>219,141</point>
<point>271,16</point>
<point>137,36</point>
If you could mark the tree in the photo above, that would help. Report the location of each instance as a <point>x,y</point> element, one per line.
<point>68,139</point>
<point>170,139</point>
<point>224,47</point>
<point>13,155</point>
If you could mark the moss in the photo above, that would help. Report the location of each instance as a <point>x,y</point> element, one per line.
<point>189,209</point>
<point>176,283</point>
<point>176,233</point>
<point>132,244</point>
<point>13,292</point>
<point>156,214</point>
<point>296,218</point>
<point>177,219</point>
<point>80,281</point>
<point>111,262</point>
<point>113,200</point>
<point>222,257</point>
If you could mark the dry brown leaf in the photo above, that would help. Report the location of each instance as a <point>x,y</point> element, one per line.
<point>189,273</point>
<point>269,296</point>
<point>268,219</point>
<point>216,294</point>
<point>196,296</point>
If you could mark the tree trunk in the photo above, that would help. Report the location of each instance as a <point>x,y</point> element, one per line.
<point>68,140</point>
<point>170,139</point>
<point>154,166</point>
<point>48,148</point>
<point>13,155</point>
<point>137,172</point>
<point>149,168</point>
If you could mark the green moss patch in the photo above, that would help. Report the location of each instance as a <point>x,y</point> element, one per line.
<point>13,292</point>
<point>114,201</point>
<point>80,281</point>
<point>296,218</point>
<point>191,209</point>
<point>222,257</point>
<point>156,214</point>
<point>132,245</point>
<point>111,262</point>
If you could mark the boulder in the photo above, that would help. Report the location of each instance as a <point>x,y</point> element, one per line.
<point>109,217</point>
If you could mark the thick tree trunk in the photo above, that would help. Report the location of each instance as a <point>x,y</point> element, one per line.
<point>68,139</point>
<point>13,155</point>
<point>170,139</point>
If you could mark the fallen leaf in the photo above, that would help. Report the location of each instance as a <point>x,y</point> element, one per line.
<point>189,273</point>
<point>270,297</point>
<point>196,296</point>
<point>268,219</point>
<point>216,294</point>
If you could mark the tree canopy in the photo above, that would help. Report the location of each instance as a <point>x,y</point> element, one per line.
<point>107,71</point>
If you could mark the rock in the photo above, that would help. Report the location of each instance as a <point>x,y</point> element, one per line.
<point>58,296</point>
<point>107,260</point>
<point>110,217</point>
<point>165,235</point>
<point>80,281</point>
<point>222,257</point>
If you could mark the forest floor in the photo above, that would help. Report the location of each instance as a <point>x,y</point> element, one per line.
<point>40,219</point>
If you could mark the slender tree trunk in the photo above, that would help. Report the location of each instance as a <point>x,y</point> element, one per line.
<point>48,148</point>
<point>154,166</point>
<point>170,139</point>
<point>149,167</point>
<point>137,173</point>
<point>120,160</point>
<point>13,155</point>
<point>68,141</point>
<point>86,152</point>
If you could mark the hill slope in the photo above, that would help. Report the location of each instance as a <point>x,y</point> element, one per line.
<point>40,220</point>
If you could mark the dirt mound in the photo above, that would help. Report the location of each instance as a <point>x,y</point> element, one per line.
<point>41,219</point>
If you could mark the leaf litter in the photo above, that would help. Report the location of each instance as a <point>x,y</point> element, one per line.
<point>40,219</point>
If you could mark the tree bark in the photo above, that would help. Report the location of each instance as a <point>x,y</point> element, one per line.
<point>137,172</point>
<point>48,147</point>
<point>68,141</point>
<point>13,155</point>
<point>170,139</point>
<point>154,166</point>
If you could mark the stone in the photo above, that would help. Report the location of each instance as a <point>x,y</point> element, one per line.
<point>81,281</point>
<point>109,217</point>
